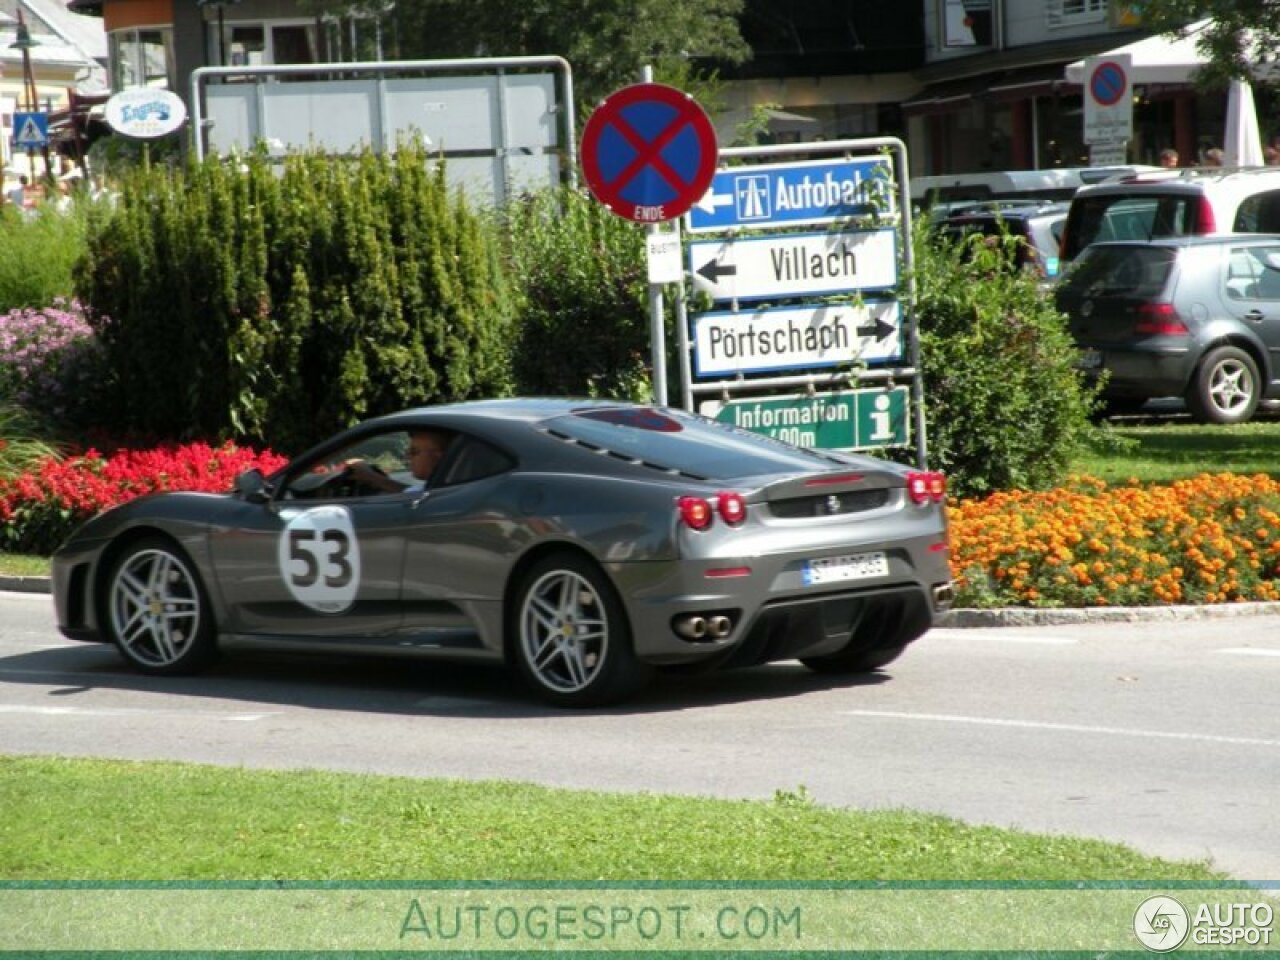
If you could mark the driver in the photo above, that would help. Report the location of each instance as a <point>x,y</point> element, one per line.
<point>426,449</point>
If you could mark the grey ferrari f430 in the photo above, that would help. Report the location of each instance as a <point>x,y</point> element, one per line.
<point>586,543</point>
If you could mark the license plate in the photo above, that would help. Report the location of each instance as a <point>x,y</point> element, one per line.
<point>857,566</point>
<point>1089,359</point>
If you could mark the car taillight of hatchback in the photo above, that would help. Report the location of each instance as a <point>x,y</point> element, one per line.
<point>1159,319</point>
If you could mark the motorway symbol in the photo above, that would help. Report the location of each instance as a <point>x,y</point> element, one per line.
<point>30,129</point>
<point>795,265</point>
<point>649,152</point>
<point>794,194</point>
<point>838,420</point>
<point>788,338</point>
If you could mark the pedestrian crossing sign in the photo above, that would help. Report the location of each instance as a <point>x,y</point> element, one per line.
<point>30,129</point>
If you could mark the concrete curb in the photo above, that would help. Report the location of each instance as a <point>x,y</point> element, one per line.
<point>26,584</point>
<point>959,619</point>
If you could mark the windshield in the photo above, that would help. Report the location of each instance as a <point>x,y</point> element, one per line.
<point>1120,271</point>
<point>1127,217</point>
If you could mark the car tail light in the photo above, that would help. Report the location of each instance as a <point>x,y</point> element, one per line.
<point>1159,318</point>
<point>1204,219</point>
<point>695,512</point>
<point>925,486</point>
<point>732,508</point>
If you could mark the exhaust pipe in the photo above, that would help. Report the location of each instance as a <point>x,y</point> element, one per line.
<point>943,595</point>
<point>691,628</point>
<point>719,626</point>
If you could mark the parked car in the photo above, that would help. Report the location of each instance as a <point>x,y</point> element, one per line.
<point>1196,317</point>
<point>1038,226</point>
<point>583,542</point>
<point>1173,203</point>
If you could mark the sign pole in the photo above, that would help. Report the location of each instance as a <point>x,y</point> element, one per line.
<point>657,324</point>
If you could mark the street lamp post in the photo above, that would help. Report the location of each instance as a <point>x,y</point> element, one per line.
<point>24,42</point>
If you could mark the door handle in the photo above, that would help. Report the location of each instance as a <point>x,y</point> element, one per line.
<point>1255,316</point>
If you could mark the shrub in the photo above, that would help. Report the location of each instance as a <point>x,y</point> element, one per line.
<point>50,361</point>
<point>583,323</point>
<point>38,255</point>
<point>20,445</point>
<point>279,305</point>
<point>40,508</point>
<point>1005,407</point>
<point>1210,539</point>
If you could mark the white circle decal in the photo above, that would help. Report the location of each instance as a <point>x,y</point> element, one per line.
<point>1161,924</point>
<point>319,558</point>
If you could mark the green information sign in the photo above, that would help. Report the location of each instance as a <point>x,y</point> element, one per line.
<point>841,420</point>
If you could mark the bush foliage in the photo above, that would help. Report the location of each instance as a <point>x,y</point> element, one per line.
<point>236,300</point>
<point>38,253</point>
<point>1005,406</point>
<point>583,328</point>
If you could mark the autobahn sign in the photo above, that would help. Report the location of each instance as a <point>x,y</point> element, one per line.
<point>794,194</point>
<point>649,152</point>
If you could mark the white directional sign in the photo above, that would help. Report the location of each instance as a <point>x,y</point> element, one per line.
<point>795,265</point>
<point>796,337</point>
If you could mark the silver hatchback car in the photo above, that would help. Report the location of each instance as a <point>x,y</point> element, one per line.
<point>1196,317</point>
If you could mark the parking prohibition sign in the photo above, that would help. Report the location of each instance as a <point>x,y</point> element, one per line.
<point>649,152</point>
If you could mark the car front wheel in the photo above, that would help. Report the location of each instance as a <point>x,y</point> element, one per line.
<point>1225,388</point>
<point>572,641</point>
<point>157,610</point>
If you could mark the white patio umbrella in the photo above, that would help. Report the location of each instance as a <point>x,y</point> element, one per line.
<point>1242,146</point>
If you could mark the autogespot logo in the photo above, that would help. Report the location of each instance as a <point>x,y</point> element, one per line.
<point>1161,924</point>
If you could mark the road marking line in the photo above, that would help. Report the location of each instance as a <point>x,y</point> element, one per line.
<point>45,711</point>
<point>944,633</point>
<point>1059,727</point>
<point>1251,652</point>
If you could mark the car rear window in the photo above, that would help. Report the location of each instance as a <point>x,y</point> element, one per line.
<point>1120,271</point>
<point>673,440</point>
<point>1129,217</point>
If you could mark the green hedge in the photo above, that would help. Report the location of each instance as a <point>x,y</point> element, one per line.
<point>276,306</point>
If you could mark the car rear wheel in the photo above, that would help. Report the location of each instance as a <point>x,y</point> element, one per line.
<point>157,611</point>
<point>1225,387</point>
<point>572,640</point>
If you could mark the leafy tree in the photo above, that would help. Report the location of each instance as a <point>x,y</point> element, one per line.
<point>606,42</point>
<point>1241,36</point>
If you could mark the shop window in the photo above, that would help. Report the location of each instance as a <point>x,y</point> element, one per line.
<point>265,44</point>
<point>1069,13</point>
<point>141,58</point>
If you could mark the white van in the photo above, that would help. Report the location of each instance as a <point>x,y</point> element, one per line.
<point>944,192</point>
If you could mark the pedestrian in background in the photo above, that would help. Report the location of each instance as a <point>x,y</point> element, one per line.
<point>1168,157</point>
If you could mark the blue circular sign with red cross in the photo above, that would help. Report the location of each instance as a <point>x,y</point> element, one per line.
<point>649,152</point>
<point>1108,83</point>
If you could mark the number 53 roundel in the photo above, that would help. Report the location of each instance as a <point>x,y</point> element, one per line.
<point>319,558</point>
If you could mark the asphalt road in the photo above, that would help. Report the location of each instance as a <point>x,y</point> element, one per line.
<point>1161,735</point>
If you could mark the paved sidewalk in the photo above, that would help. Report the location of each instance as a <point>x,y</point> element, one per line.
<point>1000,617</point>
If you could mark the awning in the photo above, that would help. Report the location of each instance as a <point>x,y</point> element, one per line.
<point>1158,59</point>
<point>1042,80</point>
<point>943,96</point>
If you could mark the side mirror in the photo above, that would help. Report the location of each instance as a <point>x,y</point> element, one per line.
<point>251,486</point>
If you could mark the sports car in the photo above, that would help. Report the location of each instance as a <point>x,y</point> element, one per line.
<point>586,543</point>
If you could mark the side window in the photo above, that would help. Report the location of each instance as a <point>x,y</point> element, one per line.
<point>1259,213</point>
<point>473,460</point>
<point>1269,273</point>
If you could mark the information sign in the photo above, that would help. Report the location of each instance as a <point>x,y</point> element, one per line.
<point>30,130</point>
<point>842,420</point>
<point>649,152</point>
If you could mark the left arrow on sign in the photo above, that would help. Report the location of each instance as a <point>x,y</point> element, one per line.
<point>712,271</point>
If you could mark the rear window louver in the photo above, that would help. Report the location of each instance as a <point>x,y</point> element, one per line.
<point>625,457</point>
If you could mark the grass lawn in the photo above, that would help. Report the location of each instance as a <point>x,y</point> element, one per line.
<point>115,820</point>
<point>1163,450</point>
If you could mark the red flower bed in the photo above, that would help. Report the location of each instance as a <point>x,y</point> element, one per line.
<point>39,508</point>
